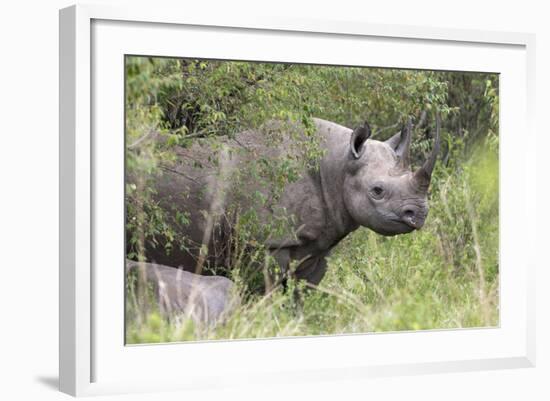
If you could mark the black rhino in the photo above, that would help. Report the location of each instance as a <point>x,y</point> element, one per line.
<point>358,182</point>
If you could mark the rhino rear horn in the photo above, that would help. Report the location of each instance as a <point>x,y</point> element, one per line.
<point>401,143</point>
<point>358,138</point>
<point>423,175</point>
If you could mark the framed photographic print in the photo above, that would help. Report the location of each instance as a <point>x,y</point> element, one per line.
<point>241,194</point>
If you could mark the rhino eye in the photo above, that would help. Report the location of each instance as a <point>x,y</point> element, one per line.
<point>377,191</point>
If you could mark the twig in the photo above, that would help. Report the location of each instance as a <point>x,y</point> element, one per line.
<point>386,128</point>
<point>141,139</point>
<point>421,122</point>
<point>198,134</point>
<point>179,173</point>
<point>422,119</point>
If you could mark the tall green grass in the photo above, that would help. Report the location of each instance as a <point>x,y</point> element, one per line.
<point>442,277</point>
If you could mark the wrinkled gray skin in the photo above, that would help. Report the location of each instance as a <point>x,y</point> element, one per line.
<point>360,182</point>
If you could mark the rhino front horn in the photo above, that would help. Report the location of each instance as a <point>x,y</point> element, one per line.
<point>423,175</point>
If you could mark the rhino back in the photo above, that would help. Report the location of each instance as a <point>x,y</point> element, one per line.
<point>204,179</point>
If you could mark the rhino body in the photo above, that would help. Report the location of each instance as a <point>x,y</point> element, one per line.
<point>205,300</point>
<point>358,182</point>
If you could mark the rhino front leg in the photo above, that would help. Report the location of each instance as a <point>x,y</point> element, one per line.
<point>274,278</point>
<point>313,269</point>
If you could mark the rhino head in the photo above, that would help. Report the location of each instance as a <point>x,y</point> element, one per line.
<point>380,191</point>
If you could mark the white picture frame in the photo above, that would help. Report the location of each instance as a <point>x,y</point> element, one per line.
<point>93,359</point>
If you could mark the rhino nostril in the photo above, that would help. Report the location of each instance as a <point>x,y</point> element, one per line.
<point>409,213</point>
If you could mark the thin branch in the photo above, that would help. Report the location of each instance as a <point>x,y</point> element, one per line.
<point>397,124</point>
<point>141,139</point>
<point>198,134</point>
<point>178,173</point>
<point>242,145</point>
<point>421,122</point>
<point>422,119</point>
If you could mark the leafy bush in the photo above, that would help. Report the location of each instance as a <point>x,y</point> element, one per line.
<point>443,276</point>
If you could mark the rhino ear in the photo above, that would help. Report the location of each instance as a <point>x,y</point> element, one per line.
<point>401,142</point>
<point>358,138</point>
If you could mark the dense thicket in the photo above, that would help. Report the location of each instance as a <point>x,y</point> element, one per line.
<point>182,100</point>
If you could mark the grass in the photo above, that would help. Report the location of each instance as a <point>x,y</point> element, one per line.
<point>442,277</point>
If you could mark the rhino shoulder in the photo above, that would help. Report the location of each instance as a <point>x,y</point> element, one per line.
<point>302,200</point>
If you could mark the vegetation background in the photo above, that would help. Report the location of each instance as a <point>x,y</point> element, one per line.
<point>443,276</point>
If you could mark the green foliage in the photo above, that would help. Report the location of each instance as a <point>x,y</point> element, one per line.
<point>425,280</point>
<point>444,276</point>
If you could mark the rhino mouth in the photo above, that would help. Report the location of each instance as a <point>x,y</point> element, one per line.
<point>395,227</point>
